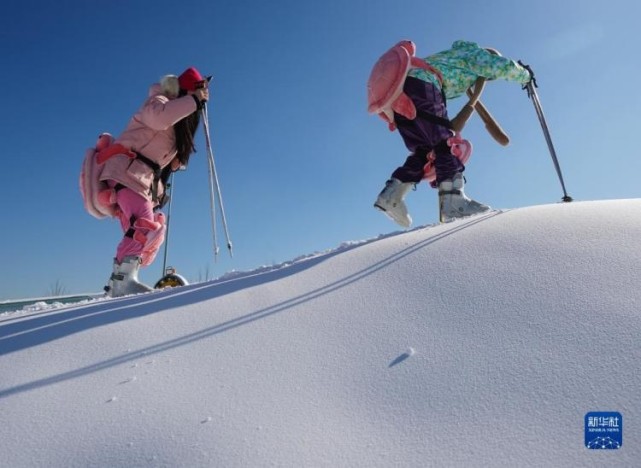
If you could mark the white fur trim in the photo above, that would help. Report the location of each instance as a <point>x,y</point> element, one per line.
<point>170,86</point>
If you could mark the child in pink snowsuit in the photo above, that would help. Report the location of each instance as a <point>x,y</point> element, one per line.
<point>157,141</point>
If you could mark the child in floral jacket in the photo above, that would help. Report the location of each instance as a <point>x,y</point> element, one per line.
<point>445,75</point>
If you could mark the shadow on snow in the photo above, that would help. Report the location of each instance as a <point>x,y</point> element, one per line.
<point>28,333</point>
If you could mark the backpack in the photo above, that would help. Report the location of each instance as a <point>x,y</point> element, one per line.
<point>99,199</point>
<point>385,84</point>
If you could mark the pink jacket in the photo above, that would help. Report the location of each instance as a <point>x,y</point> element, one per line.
<point>150,132</point>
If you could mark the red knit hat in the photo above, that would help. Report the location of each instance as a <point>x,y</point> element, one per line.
<point>190,79</point>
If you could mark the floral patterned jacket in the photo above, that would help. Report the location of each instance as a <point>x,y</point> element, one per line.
<point>461,65</point>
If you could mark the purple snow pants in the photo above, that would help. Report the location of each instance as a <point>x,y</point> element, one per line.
<point>421,136</point>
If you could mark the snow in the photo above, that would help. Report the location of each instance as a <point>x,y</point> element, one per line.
<point>481,342</point>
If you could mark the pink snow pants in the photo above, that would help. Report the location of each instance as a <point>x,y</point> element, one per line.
<point>137,206</point>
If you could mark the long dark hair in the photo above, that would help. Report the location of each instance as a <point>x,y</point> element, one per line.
<point>185,130</point>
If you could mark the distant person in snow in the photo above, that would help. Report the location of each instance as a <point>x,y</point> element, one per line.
<point>411,95</point>
<point>158,140</point>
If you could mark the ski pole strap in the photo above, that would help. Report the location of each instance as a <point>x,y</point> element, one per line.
<point>532,83</point>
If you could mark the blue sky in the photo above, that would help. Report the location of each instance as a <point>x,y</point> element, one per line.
<point>299,159</point>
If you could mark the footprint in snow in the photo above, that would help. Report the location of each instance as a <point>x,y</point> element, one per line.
<point>402,357</point>
<point>130,379</point>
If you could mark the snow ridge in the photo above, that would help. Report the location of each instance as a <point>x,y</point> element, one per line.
<point>482,342</point>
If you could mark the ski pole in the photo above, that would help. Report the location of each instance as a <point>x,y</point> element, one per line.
<point>214,183</point>
<point>212,204</point>
<point>531,91</point>
<point>171,198</point>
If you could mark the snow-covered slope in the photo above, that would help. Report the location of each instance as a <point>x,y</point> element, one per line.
<point>482,342</point>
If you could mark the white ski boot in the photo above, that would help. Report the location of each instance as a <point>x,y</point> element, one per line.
<point>454,203</point>
<point>124,279</point>
<point>390,201</point>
